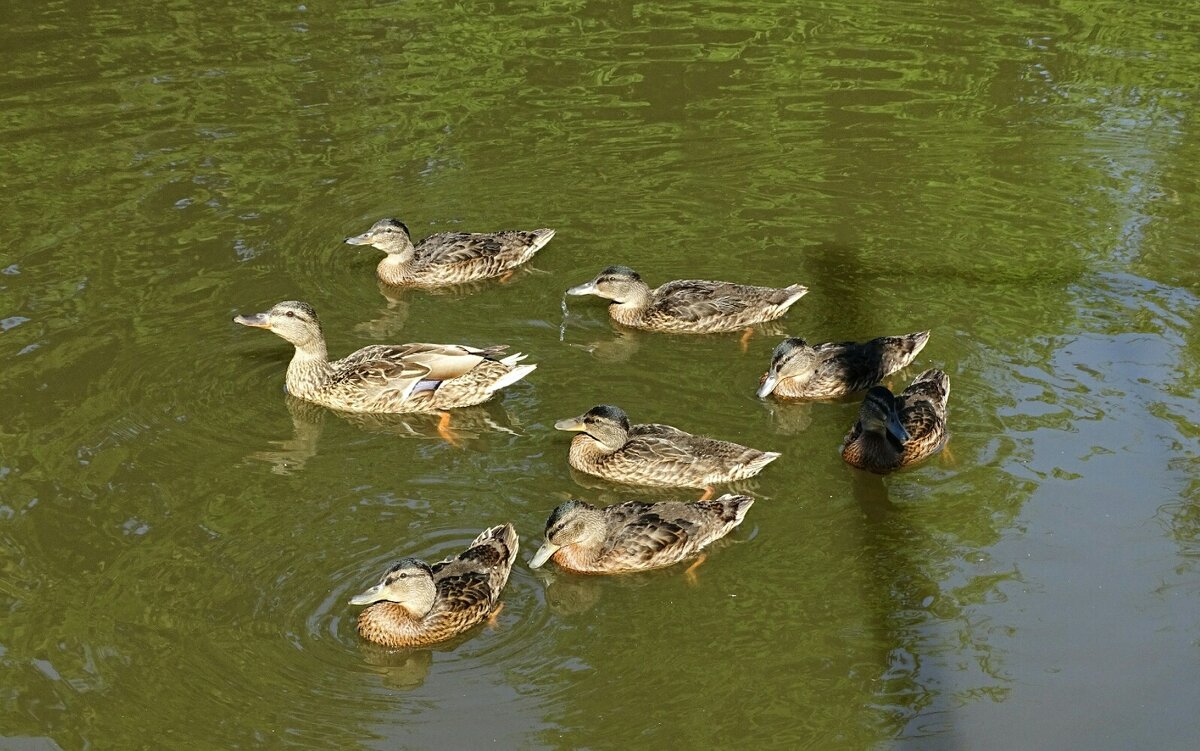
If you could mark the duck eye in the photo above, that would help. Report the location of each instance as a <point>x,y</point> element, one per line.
<point>290,314</point>
<point>403,576</point>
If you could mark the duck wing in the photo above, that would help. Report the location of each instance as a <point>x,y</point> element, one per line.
<point>459,247</point>
<point>400,367</point>
<point>660,449</point>
<point>922,405</point>
<point>378,369</point>
<point>665,445</point>
<point>697,300</point>
<point>658,429</point>
<point>477,574</point>
<point>862,365</point>
<point>644,535</point>
<point>462,598</point>
<point>446,361</point>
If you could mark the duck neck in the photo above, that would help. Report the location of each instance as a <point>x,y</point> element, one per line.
<point>309,370</point>
<point>632,306</point>
<point>390,624</point>
<point>586,452</point>
<point>881,447</point>
<point>396,268</point>
<point>580,556</point>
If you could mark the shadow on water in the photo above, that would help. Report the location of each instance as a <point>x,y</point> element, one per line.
<point>899,591</point>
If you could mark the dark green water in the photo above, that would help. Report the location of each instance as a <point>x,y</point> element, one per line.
<point>177,541</point>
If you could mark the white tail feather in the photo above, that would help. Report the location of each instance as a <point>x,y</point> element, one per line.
<point>511,377</point>
<point>512,360</point>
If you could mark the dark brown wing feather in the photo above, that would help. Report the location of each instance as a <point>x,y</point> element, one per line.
<point>857,366</point>
<point>862,365</point>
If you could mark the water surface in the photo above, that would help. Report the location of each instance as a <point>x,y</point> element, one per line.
<point>178,539</point>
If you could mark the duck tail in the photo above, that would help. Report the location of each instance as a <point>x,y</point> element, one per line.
<point>540,238</point>
<point>934,384</point>
<point>733,508</point>
<point>791,294</point>
<point>501,541</point>
<point>755,465</point>
<point>900,351</point>
<point>914,343</point>
<point>512,360</point>
<point>503,535</point>
<point>511,377</point>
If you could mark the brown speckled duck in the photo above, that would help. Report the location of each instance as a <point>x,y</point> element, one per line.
<point>448,257</point>
<point>609,446</point>
<point>635,536</point>
<point>386,377</point>
<point>826,371</point>
<point>688,306</point>
<point>899,431</point>
<point>415,604</point>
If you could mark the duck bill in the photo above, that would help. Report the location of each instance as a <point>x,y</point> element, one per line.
<point>587,288</point>
<point>895,428</point>
<point>768,385</point>
<point>363,239</point>
<point>258,320</point>
<point>544,552</point>
<point>571,424</point>
<point>366,598</point>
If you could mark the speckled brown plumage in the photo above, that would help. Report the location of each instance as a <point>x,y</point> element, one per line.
<point>689,306</point>
<point>386,378</point>
<point>826,371</point>
<point>635,536</point>
<point>448,258</point>
<point>920,409</point>
<point>609,446</point>
<point>459,592</point>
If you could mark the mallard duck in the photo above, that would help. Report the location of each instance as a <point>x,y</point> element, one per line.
<point>687,306</point>
<point>386,377</point>
<point>801,371</point>
<point>608,446</point>
<point>635,536</point>
<point>448,257</point>
<point>898,431</point>
<point>415,604</point>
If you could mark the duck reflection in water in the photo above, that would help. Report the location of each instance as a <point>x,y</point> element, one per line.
<point>403,670</point>
<point>792,418</point>
<point>624,343</point>
<point>609,492</point>
<point>393,319</point>
<point>569,594</point>
<point>308,422</point>
<point>871,493</point>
